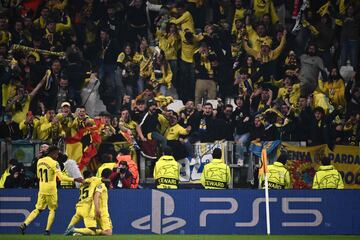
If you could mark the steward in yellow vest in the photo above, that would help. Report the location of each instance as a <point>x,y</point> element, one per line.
<point>216,174</point>
<point>278,175</point>
<point>167,171</point>
<point>327,177</point>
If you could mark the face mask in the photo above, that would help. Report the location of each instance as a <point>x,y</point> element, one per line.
<point>122,170</point>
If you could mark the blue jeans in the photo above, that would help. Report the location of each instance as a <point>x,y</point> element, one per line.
<point>186,89</point>
<point>160,139</point>
<point>174,69</point>
<point>242,138</point>
<point>350,50</point>
<point>107,78</point>
<point>140,85</point>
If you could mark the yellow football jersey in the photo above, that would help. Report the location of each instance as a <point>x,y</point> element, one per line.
<point>87,191</point>
<point>47,171</point>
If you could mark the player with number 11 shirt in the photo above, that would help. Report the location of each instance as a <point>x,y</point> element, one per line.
<point>85,207</point>
<point>47,171</point>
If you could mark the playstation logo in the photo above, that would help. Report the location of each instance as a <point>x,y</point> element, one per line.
<point>156,222</point>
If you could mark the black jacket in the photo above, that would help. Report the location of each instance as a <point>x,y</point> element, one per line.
<point>10,131</point>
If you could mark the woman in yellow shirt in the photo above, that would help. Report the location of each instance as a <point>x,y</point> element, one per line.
<point>144,58</point>
<point>127,124</point>
<point>161,75</point>
<point>129,69</point>
<point>289,93</point>
<point>170,42</point>
<point>334,88</point>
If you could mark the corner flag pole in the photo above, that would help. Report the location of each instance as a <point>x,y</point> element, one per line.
<point>267,205</point>
<point>265,171</point>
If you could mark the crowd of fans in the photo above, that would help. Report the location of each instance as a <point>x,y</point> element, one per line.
<point>279,70</point>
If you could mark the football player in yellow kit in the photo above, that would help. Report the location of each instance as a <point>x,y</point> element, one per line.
<point>101,204</point>
<point>93,207</point>
<point>84,207</point>
<point>47,171</point>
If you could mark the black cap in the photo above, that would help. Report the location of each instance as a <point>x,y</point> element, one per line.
<point>151,102</point>
<point>106,173</point>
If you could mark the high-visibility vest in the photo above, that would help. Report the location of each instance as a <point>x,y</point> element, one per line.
<point>216,175</point>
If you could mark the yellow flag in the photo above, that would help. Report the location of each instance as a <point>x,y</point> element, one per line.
<point>264,162</point>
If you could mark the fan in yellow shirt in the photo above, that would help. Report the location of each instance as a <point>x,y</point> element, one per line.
<point>169,41</point>
<point>145,60</point>
<point>185,19</point>
<point>289,91</point>
<point>334,88</point>
<point>161,75</point>
<point>262,7</point>
<point>256,38</point>
<point>175,130</point>
<point>238,15</point>
<point>19,104</point>
<point>189,44</point>
<point>265,54</point>
<point>47,171</point>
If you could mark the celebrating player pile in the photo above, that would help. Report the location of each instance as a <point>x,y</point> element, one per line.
<point>92,207</point>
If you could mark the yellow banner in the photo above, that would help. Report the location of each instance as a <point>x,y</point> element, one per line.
<point>346,159</point>
<point>302,164</point>
<point>305,160</point>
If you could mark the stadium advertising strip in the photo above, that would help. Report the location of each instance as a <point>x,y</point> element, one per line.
<point>200,211</point>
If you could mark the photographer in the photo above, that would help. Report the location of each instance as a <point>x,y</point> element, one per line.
<point>122,177</point>
<point>16,179</point>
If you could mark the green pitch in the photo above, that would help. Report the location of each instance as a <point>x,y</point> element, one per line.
<point>182,237</point>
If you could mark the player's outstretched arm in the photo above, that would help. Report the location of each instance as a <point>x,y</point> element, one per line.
<point>79,180</point>
<point>97,205</point>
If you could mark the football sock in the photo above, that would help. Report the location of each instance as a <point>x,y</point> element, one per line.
<point>32,216</point>
<point>85,231</point>
<point>75,219</point>
<point>50,220</point>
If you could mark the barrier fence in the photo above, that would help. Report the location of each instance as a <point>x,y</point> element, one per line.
<point>199,211</point>
<point>243,161</point>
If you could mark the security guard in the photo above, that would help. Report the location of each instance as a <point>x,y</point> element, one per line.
<point>278,175</point>
<point>167,171</point>
<point>216,174</point>
<point>327,177</point>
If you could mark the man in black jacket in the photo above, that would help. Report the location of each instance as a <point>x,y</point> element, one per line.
<point>303,120</point>
<point>108,52</point>
<point>16,179</point>
<point>9,129</point>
